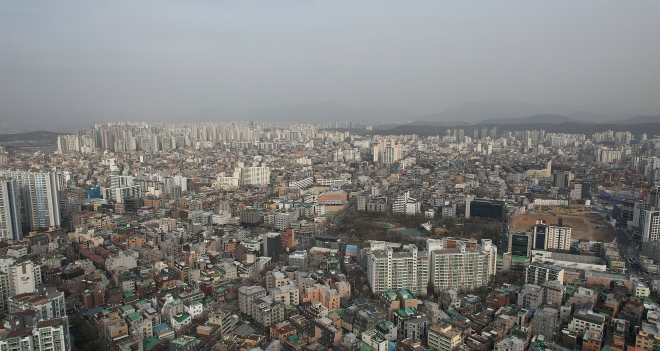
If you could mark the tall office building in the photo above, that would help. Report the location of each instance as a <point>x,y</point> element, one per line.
<point>520,243</point>
<point>37,197</point>
<point>540,231</point>
<point>272,245</point>
<point>486,208</point>
<point>562,179</point>
<point>10,220</point>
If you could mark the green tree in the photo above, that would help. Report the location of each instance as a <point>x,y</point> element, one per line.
<point>96,346</point>
<point>430,289</point>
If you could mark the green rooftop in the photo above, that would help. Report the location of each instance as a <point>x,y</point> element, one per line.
<point>294,340</point>
<point>390,295</point>
<point>127,308</point>
<point>365,347</point>
<point>148,343</point>
<point>505,292</point>
<point>404,312</point>
<point>180,341</point>
<point>181,318</point>
<point>134,316</point>
<point>406,294</point>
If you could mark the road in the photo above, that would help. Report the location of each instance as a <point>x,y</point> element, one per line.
<point>627,250</point>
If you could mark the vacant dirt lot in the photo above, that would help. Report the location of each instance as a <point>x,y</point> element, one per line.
<point>581,226</point>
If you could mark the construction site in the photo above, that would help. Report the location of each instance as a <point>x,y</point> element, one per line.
<point>583,222</point>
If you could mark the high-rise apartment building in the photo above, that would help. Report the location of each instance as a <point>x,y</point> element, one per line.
<point>460,266</point>
<point>387,151</point>
<point>10,220</point>
<point>121,188</point>
<point>558,237</point>
<point>395,268</point>
<point>254,176</point>
<point>4,293</point>
<point>651,226</point>
<point>52,335</point>
<point>37,198</point>
<point>246,176</point>
<point>449,263</point>
<point>48,305</point>
<point>539,273</point>
<point>23,278</point>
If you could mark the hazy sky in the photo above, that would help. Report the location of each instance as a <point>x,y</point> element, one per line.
<point>157,58</point>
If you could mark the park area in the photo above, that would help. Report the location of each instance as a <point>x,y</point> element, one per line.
<point>581,226</point>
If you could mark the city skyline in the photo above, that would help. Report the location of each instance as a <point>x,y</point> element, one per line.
<point>74,61</point>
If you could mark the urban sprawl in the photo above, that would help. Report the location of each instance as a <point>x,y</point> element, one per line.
<point>273,236</point>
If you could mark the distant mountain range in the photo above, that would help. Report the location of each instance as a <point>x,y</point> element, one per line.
<point>486,112</point>
<point>587,129</point>
<point>475,112</point>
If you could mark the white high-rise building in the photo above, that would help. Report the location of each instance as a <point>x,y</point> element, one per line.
<point>52,335</point>
<point>404,204</point>
<point>387,151</point>
<point>245,176</point>
<point>651,226</point>
<point>10,220</point>
<point>558,237</point>
<point>459,265</point>
<point>23,278</point>
<point>37,197</point>
<point>122,187</point>
<point>449,263</point>
<point>387,270</point>
<point>48,305</point>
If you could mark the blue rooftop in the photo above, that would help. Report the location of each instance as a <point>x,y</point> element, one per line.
<point>159,327</point>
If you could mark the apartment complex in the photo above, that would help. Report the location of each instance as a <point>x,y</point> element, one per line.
<point>457,266</point>
<point>391,267</point>
<point>449,263</point>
